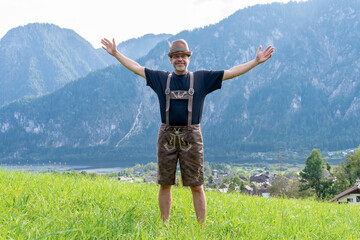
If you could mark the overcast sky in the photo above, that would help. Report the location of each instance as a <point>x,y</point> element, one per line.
<point>120,19</point>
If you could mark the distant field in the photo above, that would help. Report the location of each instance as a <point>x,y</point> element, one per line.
<point>70,206</point>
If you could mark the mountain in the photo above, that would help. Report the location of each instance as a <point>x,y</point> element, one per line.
<point>40,58</point>
<point>306,96</point>
<point>136,47</point>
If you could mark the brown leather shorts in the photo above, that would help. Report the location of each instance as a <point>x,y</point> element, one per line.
<point>186,145</point>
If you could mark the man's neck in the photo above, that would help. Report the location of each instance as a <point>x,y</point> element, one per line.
<point>181,73</point>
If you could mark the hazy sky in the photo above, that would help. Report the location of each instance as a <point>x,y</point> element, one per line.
<point>121,19</point>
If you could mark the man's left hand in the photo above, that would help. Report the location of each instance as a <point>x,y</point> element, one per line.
<point>263,56</point>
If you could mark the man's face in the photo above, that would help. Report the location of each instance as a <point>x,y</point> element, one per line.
<point>180,63</point>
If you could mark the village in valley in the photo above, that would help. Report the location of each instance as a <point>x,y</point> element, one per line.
<point>334,183</point>
<point>265,180</point>
<point>222,177</point>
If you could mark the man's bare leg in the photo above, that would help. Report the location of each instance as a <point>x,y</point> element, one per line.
<point>199,202</point>
<point>165,202</point>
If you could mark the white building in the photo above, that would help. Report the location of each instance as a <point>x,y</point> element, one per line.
<point>352,195</point>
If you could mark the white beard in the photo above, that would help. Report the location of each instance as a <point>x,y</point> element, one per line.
<point>180,69</point>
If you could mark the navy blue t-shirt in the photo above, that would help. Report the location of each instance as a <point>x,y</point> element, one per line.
<point>205,82</point>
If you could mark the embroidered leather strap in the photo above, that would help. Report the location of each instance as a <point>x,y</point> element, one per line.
<point>181,95</point>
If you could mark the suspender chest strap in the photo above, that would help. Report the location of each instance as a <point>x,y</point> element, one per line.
<point>180,95</point>
<point>190,99</point>
<point>167,93</point>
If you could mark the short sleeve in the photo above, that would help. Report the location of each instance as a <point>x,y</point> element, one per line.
<point>155,79</point>
<point>212,80</point>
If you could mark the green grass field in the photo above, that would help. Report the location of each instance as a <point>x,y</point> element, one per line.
<point>64,206</point>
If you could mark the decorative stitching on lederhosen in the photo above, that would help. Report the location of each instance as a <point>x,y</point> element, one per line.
<point>177,135</point>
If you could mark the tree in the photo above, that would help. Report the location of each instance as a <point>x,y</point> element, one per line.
<point>288,187</point>
<point>211,179</point>
<point>347,172</point>
<point>207,169</point>
<point>352,166</point>
<point>278,186</point>
<point>152,166</point>
<point>292,190</point>
<point>232,187</point>
<point>342,178</point>
<point>312,176</point>
<point>226,180</point>
<point>236,180</point>
<point>242,186</point>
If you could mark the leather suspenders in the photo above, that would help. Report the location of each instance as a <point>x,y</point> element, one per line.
<point>180,95</point>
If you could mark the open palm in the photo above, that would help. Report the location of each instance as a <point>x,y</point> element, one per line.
<point>110,47</point>
<point>262,56</point>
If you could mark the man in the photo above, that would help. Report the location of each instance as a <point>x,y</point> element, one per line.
<point>181,97</point>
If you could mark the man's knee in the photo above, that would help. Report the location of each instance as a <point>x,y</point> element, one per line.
<point>165,188</point>
<point>197,189</point>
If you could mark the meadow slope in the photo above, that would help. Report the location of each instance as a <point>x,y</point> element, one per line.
<point>70,206</point>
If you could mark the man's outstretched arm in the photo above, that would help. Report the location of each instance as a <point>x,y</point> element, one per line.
<point>133,66</point>
<point>261,56</point>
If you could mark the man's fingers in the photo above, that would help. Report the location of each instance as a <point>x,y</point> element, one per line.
<point>269,52</point>
<point>267,56</point>
<point>105,41</point>
<point>267,49</point>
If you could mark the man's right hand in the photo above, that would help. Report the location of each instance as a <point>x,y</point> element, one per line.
<point>110,47</point>
<point>130,64</point>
